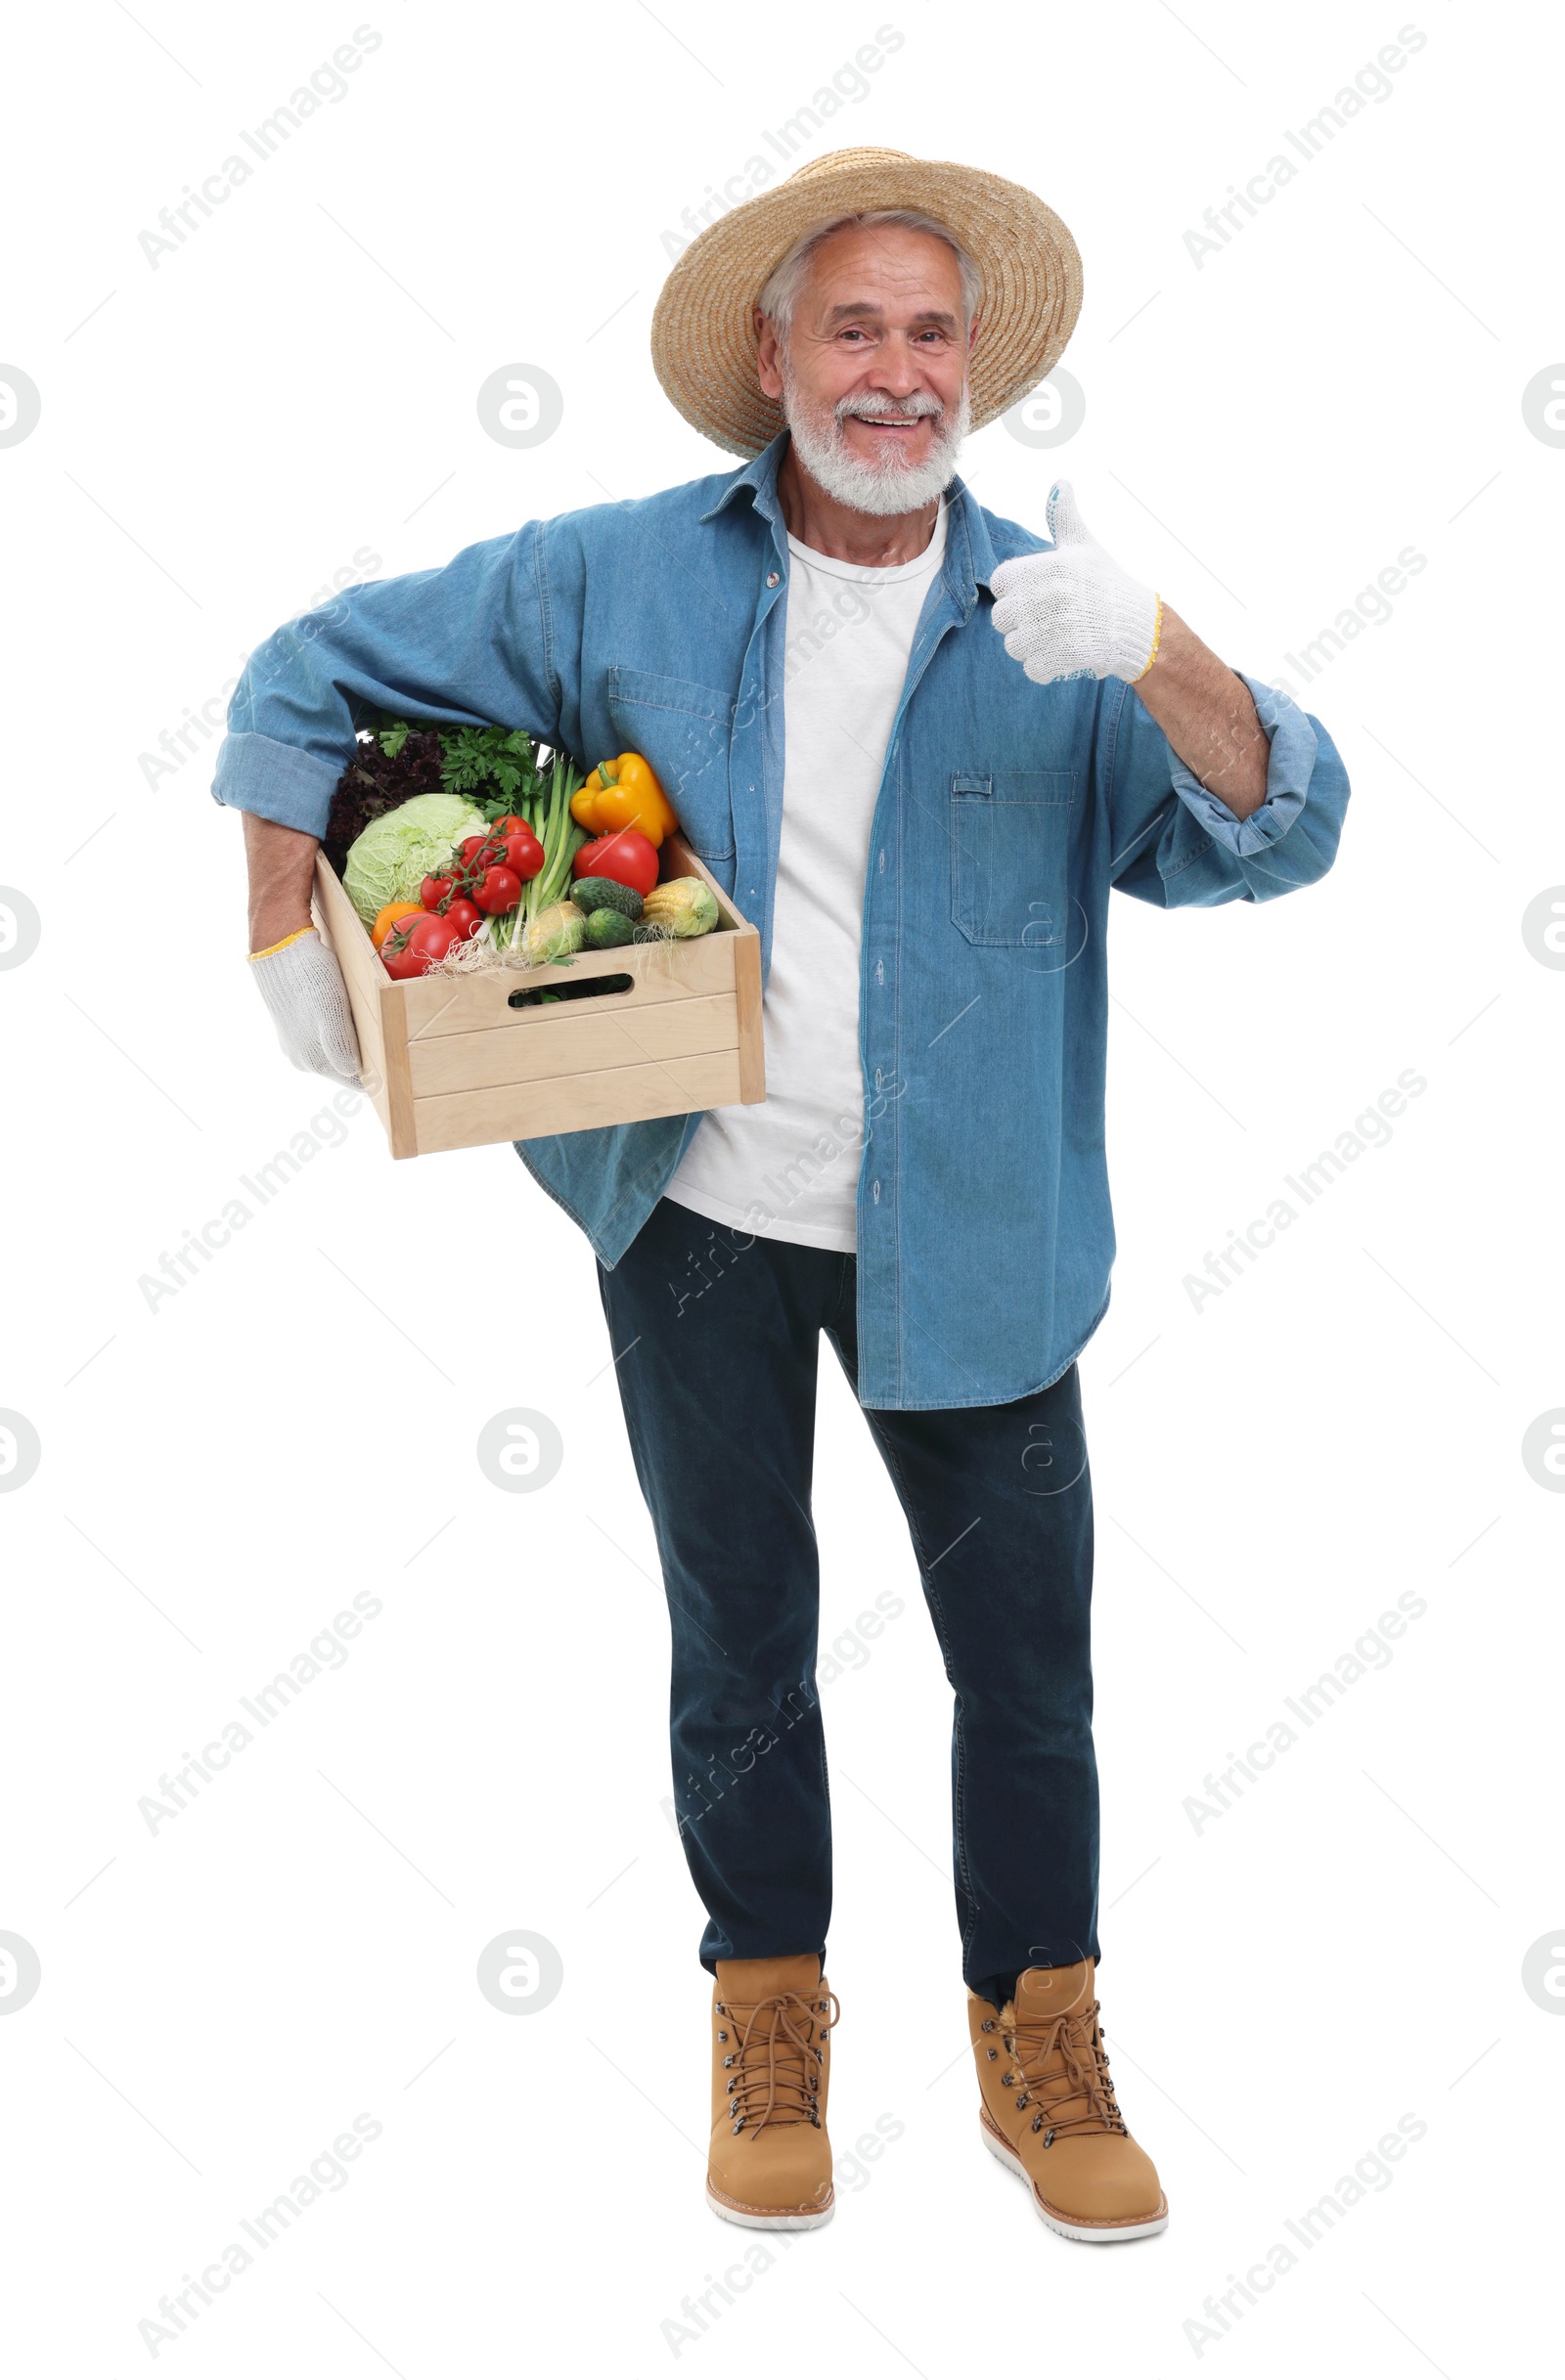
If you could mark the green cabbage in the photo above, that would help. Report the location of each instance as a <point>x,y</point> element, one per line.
<point>394,854</point>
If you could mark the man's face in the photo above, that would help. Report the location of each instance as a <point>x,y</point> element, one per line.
<point>873,378</point>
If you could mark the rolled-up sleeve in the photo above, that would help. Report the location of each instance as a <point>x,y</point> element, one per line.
<point>1179,846</point>
<point>466,644</point>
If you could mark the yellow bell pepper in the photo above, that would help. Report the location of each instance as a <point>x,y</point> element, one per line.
<point>621,793</point>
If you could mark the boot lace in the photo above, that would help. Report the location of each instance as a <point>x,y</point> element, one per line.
<point>774,2060</point>
<point>1059,2068</point>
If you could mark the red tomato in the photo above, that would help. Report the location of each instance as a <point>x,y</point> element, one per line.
<point>524,854</point>
<point>500,890</point>
<point>433,889</point>
<point>483,851</point>
<point>466,916</point>
<point>626,857</point>
<point>414,944</point>
<point>510,826</point>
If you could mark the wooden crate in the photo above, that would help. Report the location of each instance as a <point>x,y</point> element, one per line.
<point>459,1066</point>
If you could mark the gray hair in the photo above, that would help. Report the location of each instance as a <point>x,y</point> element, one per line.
<point>786,278</point>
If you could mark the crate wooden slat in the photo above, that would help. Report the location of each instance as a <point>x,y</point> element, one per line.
<point>609,1037</point>
<point>570,1103</point>
<point>453,1065</point>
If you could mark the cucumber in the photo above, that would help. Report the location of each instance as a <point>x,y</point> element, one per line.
<point>593,893</point>
<point>607,928</point>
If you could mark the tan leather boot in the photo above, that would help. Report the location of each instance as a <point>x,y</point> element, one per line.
<point>771,2159</point>
<point>1049,2111</point>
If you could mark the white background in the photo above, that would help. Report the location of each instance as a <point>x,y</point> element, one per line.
<point>1263,435</point>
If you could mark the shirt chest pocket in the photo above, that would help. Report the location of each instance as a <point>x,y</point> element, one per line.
<point>1009,853</point>
<point>682,729</point>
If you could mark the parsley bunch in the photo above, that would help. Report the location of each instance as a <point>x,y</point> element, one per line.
<point>492,766</point>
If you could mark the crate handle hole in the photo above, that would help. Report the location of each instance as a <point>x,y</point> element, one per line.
<point>591,990</point>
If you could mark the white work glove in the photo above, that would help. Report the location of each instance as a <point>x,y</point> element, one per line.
<point>302,986</point>
<point>1074,613</point>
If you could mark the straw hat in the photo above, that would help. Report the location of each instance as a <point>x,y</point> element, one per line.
<point>703,339</point>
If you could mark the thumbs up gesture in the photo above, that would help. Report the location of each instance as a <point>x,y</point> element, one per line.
<point>1074,612</point>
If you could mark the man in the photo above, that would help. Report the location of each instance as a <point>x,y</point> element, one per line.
<point>924,817</point>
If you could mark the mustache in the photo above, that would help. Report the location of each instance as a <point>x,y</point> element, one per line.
<point>878,406</point>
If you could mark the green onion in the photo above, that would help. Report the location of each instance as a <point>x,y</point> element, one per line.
<point>559,835</point>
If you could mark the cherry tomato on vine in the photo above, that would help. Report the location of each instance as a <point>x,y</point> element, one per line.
<point>524,854</point>
<point>500,890</point>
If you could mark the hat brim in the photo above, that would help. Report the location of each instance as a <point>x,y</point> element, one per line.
<point>703,336</point>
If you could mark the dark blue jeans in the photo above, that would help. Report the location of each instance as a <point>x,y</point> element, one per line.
<point>718,1337</point>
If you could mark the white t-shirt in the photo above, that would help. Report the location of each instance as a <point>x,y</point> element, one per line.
<point>788,1168</point>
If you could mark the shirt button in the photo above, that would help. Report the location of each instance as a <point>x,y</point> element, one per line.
<point>879,970</point>
<point>772,578</point>
<point>882,855</point>
<point>877,1194</point>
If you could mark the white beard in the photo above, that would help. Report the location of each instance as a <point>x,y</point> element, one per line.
<point>886,485</point>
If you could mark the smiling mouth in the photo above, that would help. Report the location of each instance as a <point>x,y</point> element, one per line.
<point>890,422</point>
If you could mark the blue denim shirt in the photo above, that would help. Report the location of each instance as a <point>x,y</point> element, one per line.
<point>1007,810</point>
